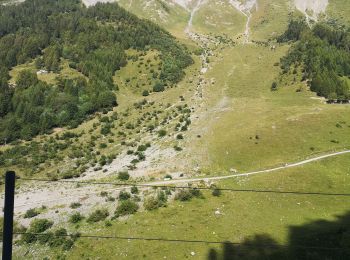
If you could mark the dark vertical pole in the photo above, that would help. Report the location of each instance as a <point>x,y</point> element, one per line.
<point>8,215</point>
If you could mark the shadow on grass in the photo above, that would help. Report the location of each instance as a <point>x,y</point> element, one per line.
<point>318,240</point>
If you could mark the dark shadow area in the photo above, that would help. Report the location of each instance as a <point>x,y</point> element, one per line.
<point>317,240</point>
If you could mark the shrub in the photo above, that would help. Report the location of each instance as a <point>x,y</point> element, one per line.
<point>61,232</point>
<point>142,148</point>
<point>158,87</point>
<point>216,192</point>
<point>98,215</point>
<point>183,195</point>
<point>186,195</point>
<point>274,86</point>
<point>126,207</point>
<point>68,244</point>
<point>162,133</point>
<point>177,148</point>
<point>29,238</point>
<point>109,198</point>
<point>123,176</point>
<point>75,218</point>
<point>103,145</point>
<point>40,225</point>
<point>179,137</point>
<point>134,190</point>
<point>145,93</point>
<point>104,194</point>
<point>196,193</point>
<point>44,238</point>
<point>123,195</point>
<point>151,203</point>
<point>75,205</point>
<point>30,213</point>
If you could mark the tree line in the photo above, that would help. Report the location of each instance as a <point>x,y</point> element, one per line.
<point>324,53</point>
<point>94,40</point>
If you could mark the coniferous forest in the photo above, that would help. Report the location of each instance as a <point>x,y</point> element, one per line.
<point>93,40</point>
<point>323,51</point>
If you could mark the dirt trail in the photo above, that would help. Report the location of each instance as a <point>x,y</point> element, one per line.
<point>70,192</point>
<point>252,173</point>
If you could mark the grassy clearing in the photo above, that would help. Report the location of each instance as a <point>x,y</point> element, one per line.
<point>219,17</point>
<point>49,77</point>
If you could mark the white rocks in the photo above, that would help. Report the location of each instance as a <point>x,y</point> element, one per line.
<point>311,8</point>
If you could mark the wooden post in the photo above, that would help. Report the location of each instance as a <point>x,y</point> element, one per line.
<point>8,215</point>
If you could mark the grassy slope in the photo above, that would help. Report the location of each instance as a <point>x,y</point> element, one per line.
<point>244,215</point>
<point>240,105</point>
<point>218,17</point>
<point>270,19</point>
<point>174,19</point>
<point>339,9</point>
<point>288,123</point>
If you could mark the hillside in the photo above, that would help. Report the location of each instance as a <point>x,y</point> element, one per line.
<point>229,140</point>
<point>95,49</point>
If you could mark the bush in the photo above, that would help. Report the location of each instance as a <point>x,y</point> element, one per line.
<point>68,244</point>
<point>177,148</point>
<point>196,193</point>
<point>145,93</point>
<point>61,232</point>
<point>104,194</point>
<point>29,238</point>
<point>134,190</point>
<point>98,215</point>
<point>126,207</point>
<point>186,195</point>
<point>75,218</point>
<point>142,148</point>
<point>123,176</point>
<point>183,195</point>
<point>44,238</point>
<point>75,205</point>
<point>40,225</point>
<point>216,192</point>
<point>274,86</point>
<point>151,203</point>
<point>30,213</point>
<point>123,195</point>
<point>158,87</point>
<point>162,133</point>
<point>179,137</point>
<point>103,145</point>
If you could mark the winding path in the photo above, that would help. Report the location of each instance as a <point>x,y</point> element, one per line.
<point>72,194</point>
<point>251,173</point>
